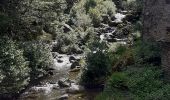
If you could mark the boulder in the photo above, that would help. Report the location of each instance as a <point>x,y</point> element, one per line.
<point>75,69</point>
<point>76,63</point>
<point>106,18</point>
<point>63,83</point>
<point>111,40</point>
<point>55,85</point>
<point>72,59</point>
<point>60,61</point>
<point>64,97</point>
<point>50,73</point>
<point>75,89</point>
<point>54,54</point>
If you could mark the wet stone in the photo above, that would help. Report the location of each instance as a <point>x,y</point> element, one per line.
<point>72,59</point>
<point>76,63</point>
<point>64,97</point>
<point>75,89</point>
<point>54,54</point>
<point>60,61</point>
<point>63,83</point>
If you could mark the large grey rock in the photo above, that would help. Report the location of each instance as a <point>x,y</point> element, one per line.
<point>75,89</point>
<point>75,64</point>
<point>55,54</point>
<point>64,83</point>
<point>64,97</point>
<point>72,59</point>
<point>60,61</point>
<point>78,68</point>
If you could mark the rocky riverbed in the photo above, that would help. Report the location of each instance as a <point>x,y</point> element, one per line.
<point>56,85</point>
<point>63,82</point>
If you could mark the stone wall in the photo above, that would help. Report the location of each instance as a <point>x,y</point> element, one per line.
<point>156,27</point>
<point>166,60</point>
<point>156,20</point>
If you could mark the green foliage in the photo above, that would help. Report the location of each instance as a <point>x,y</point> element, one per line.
<point>144,82</point>
<point>118,3</point>
<point>140,81</point>
<point>108,8</point>
<point>90,4</point>
<point>136,84</point>
<point>97,68</point>
<point>121,50</point>
<point>4,22</point>
<point>134,5</point>
<point>68,43</point>
<point>39,56</point>
<point>95,9</point>
<point>95,15</point>
<point>22,62</point>
<point>82,21</point>
<point>101,8</point>
<point>147,52</point>
<point>14,70</point>
<point>118,80</point>
<point>105,96</point>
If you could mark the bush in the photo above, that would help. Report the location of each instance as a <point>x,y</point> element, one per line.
<point>118,80</point>
<point>101,8</point>
<point>90,4</point>
<point>95,15</point>
<point>98,67</point>
<point>140,81</point>
<point>68,43</point>
<point>5,21</point>
<point>147,53</point>
<point>82,20</point>
<point>39,56</point>
<point>119,3</point>
<point>105,96</point>
<point>108,8</point>
<point>14,70</point>
<point>136,84</point>
<point>144,81</point>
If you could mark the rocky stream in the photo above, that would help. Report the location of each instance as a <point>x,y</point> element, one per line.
<point>63,84</point>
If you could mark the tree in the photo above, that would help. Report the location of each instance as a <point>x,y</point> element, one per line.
<point>14,70</point>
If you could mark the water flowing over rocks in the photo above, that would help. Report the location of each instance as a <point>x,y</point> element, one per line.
<point>64,83</point>
<point>59,83</point>
<point>119,17</point>
<point>59,86</point>
<point>75,89</point>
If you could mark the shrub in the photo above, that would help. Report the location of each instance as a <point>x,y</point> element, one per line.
<point>118,80</point>
<point>67,43</point>
<point>98,67</point>
<point>14,70</point>
<point>144,81</point>
<point>139,81</point>
<point>90,4</point>
<point>147,53</point>
<point>136,84</point>
<point>39,56</point>
<point>82,20</point>
<point>101,8</point>
<point>105,96</point>
<point>5,21</point>
<point>119,3</point>
<point>95,15</point>
<point>108,8</point>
